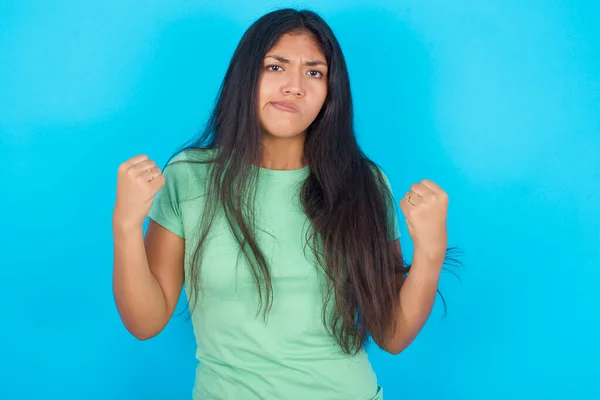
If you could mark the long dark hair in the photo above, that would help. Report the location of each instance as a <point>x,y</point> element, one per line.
<point>345,196</point>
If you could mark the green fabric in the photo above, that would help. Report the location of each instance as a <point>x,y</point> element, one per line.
<point>291,356</point>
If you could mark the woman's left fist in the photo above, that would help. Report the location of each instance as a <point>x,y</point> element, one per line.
<point>425,208</point>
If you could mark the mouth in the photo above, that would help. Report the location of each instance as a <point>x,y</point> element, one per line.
<point>285,106</point>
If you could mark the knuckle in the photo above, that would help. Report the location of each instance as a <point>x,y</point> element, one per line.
<point>140,179</point>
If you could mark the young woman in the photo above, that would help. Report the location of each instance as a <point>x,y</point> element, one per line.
<point>282,232</point>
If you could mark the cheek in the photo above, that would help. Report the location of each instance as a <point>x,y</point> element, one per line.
<point>319,96</point>
<point>266,90</point>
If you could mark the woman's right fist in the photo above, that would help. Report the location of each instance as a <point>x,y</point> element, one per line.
<point>138,181</point>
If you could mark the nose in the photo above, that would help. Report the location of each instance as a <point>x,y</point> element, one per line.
<point>293,87</point>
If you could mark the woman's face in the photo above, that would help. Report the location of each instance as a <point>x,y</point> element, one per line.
<point>292,87</point>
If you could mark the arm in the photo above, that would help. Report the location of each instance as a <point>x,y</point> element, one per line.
<point>147,277</point>
<point>416,299</point>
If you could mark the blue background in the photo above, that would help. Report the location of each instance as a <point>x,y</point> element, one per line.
<point>497,101</point>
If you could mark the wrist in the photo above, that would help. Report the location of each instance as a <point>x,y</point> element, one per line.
<point>126,227</point>
<point>433,258</point>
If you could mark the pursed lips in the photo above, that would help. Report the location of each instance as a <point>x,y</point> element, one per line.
<point>285,106</point>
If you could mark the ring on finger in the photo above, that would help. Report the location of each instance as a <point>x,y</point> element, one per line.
<point>151,171</point>
<point>409,197</point>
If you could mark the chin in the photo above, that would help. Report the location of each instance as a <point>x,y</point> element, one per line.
<point>283,132</point>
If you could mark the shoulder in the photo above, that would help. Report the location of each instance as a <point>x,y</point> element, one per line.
<point>188,161</point>
<point>192,155</point>
<point>186,173</point>
<point>380,175</point>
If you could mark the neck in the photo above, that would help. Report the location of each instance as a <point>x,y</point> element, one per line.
<point>283,153</point>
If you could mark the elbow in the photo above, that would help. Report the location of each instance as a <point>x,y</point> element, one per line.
<point>142,332</point>
<point>142,337</point>
<point>394,349</point>
<point>141,327</point>
<point>390,346</point>
<point>397,345</point>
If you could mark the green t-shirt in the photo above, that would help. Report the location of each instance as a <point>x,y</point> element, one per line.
<point>291,356</point>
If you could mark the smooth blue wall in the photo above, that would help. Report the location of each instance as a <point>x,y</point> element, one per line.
<point>497,101</point>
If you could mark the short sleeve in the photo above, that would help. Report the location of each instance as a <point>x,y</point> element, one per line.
<point>394,228</point>
<point>166,206</point>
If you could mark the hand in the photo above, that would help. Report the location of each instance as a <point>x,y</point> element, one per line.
<point>425,208</point>
<point>138,181</point>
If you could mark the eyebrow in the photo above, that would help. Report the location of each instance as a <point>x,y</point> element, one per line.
<point>308,63</point>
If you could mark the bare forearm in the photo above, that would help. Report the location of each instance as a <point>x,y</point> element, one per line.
<point>138,295</point>
<point>416,299</point>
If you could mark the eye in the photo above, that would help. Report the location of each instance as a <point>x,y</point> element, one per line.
<point>273,68</point>
<point>316,74</point>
